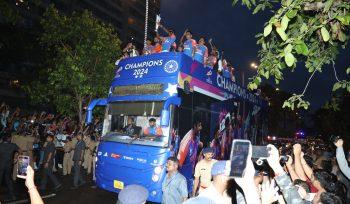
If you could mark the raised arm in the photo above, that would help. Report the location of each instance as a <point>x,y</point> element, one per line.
<point>297,163</point>
<point>182,37</point>
<point>290,168</point>
<point>247,182</point>
<point>165,29</point>
<point>343,164</point>
<point>290,193</point>
<point>307,169</point>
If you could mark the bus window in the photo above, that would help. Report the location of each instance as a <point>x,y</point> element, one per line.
<point>136,123</point>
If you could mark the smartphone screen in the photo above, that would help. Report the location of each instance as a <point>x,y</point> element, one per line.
<point>239,154</point>
<point>23,163</point>
<point>260,152</point>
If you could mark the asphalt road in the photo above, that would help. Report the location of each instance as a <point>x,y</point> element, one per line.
<point>84,194</point>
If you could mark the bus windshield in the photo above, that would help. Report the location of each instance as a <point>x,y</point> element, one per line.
<point>135,123</point>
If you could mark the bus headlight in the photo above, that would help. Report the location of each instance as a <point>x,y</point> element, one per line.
<point>158,170</point>
<point>155,178</point>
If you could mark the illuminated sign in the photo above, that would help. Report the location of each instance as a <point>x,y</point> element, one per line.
<point>144,89</point>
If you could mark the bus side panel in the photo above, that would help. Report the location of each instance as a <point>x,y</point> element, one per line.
<point>119,165</point>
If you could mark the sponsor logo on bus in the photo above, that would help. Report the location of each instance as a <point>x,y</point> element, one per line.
<point>171,66</point>
<point>115,156</point>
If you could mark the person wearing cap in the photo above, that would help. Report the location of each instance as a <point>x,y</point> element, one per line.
<point>133,194</point>
<point>202,172</point>
<point>153,129</point>
<point>174,186</point>
<point>67,158</point>
<point>217,189</point>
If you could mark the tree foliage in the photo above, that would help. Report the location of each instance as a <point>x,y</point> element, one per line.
<point>334,116</point>
<point>307,31</point>
<point>80,62</point>
<point>282,122</point>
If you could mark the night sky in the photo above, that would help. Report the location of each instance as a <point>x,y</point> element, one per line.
<point>233,30</point>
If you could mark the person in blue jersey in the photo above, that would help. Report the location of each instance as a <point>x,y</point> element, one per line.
<point>201,51</point>
<point>168,42</point>
<point>188,153</point>
<point>189,44</point>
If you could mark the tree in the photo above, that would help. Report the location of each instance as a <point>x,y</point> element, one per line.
<point>307,31</point>
<point>79,64</point>
<point>282,122</point>
<point>334,117</point>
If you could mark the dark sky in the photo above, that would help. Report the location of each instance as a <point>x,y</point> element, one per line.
<point>233,30</point>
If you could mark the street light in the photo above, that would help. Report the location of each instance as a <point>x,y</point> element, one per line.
<point>253,65</point>
<point>277,89</point>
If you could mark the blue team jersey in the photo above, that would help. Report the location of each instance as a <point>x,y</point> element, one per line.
<point>168,41</point>
<point>201,52</point>
<point>188,47</point>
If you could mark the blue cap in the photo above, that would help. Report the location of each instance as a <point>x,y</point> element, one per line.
<point>208,150</point>
<point>218,168</point>
<point>133,194</point>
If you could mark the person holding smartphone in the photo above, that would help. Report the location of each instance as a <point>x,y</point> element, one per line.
<point>8,151</point>
<point>49,155</point>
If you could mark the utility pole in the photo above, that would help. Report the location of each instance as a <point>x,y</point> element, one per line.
<point>146,24</point>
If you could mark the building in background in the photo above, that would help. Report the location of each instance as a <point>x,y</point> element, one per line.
<point>19,61</point>
<point>127,16</point>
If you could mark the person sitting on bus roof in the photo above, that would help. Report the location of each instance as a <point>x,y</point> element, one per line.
<point>201,51</point>
<point>189,44</point>
<point>168,42</point>
<point>157,48</point>
<point>148,48</point>
<point>153,129</point>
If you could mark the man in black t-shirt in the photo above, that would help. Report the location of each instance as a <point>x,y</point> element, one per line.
<point>7,153</point>
<point>49,155</point>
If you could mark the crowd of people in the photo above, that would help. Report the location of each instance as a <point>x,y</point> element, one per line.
<point>292,173</point>
<point>53,143</point>
<point>198,51</point>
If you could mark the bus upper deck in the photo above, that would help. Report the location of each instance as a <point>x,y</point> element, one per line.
<point>156,77</point>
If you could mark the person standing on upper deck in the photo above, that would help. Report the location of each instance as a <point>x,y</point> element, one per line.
<point>189,44</point>
<point>157,48</point>
<point>169,41</point>
<point>201,51</point>
<point>148,49</point>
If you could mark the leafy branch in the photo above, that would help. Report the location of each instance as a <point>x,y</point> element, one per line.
<point>305,31</point>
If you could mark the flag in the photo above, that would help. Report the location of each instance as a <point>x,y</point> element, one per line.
<point>157,22</point>
<point>184,147</point>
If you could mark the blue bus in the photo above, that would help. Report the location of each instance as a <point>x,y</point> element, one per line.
<point>174,90</point>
